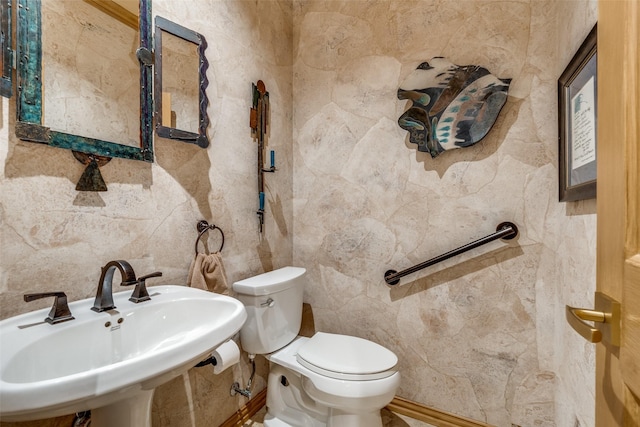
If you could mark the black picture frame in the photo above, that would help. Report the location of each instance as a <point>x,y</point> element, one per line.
<point>577,123</point>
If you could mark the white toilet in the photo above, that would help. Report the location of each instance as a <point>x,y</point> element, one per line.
<point>326,380</point>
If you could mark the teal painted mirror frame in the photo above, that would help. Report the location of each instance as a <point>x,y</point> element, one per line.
<point>29,90</point>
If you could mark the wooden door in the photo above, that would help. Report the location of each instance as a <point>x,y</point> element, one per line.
<point>618,240</point>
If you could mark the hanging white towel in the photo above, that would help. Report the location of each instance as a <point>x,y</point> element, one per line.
<point>207,272</point>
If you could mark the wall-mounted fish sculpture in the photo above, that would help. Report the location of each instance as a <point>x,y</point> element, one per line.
<point>453,106</point>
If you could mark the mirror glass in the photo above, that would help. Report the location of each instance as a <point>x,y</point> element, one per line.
<point>91,74</point>
<point>6,59</point>
<point>81,83</point>
<point>180,83</point>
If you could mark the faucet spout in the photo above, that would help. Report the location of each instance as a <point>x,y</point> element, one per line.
<point>104,295</point>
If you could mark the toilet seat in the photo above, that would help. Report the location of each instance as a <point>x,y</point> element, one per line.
<point>346,357</point>
<point>332,391</point>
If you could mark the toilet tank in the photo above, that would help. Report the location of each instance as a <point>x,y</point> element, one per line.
<point>274,309</point>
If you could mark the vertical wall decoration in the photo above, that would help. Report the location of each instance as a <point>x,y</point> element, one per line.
<point>259,123</point>
<point>453,106</point>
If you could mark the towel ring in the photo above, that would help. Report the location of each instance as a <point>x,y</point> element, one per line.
<point>203,226</point>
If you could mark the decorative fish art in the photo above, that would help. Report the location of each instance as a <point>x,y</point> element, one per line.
<point>453,106</point>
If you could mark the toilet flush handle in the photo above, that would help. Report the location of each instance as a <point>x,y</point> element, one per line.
<point>268,303</point>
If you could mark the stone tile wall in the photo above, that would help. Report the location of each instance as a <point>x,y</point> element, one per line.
<point>54,238</point>
<point>481,335</point>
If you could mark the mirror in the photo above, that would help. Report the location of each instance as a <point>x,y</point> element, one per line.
<point>6,45</point>
<point>180,83</point>
<point>84,78</point>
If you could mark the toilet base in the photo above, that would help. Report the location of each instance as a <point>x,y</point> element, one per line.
<point>339,418</point>
<point>271,421</point>
<point>289,405</point>
<point>334,420</point>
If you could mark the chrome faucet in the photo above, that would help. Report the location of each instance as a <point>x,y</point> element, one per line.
<point>104,295</point>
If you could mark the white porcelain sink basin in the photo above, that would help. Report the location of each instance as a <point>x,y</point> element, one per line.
<point>98,359</point>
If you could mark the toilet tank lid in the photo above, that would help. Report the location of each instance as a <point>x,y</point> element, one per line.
<point>270,282</point>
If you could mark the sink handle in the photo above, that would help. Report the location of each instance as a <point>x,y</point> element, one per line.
<point>59,312</point>
<point>140,292</point>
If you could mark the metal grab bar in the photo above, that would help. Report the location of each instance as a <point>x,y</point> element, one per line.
<point>504,230</point>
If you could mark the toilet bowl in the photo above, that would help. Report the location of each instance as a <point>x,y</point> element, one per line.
<point>337,401</point>
<point>326,380</point>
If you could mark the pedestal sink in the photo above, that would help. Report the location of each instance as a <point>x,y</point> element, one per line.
<point>109,362</point>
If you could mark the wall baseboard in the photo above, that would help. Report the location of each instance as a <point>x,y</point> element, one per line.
<point>429,415</point>
<point>398,405</point>
<point>245,413</point>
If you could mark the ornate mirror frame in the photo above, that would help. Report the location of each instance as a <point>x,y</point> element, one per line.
<point>29,124</point>
<point>188,35</point>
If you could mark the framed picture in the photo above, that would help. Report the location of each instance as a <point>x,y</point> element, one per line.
<point>578,113</point>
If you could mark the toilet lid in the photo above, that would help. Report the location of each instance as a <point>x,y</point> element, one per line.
<point>346,357</point>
